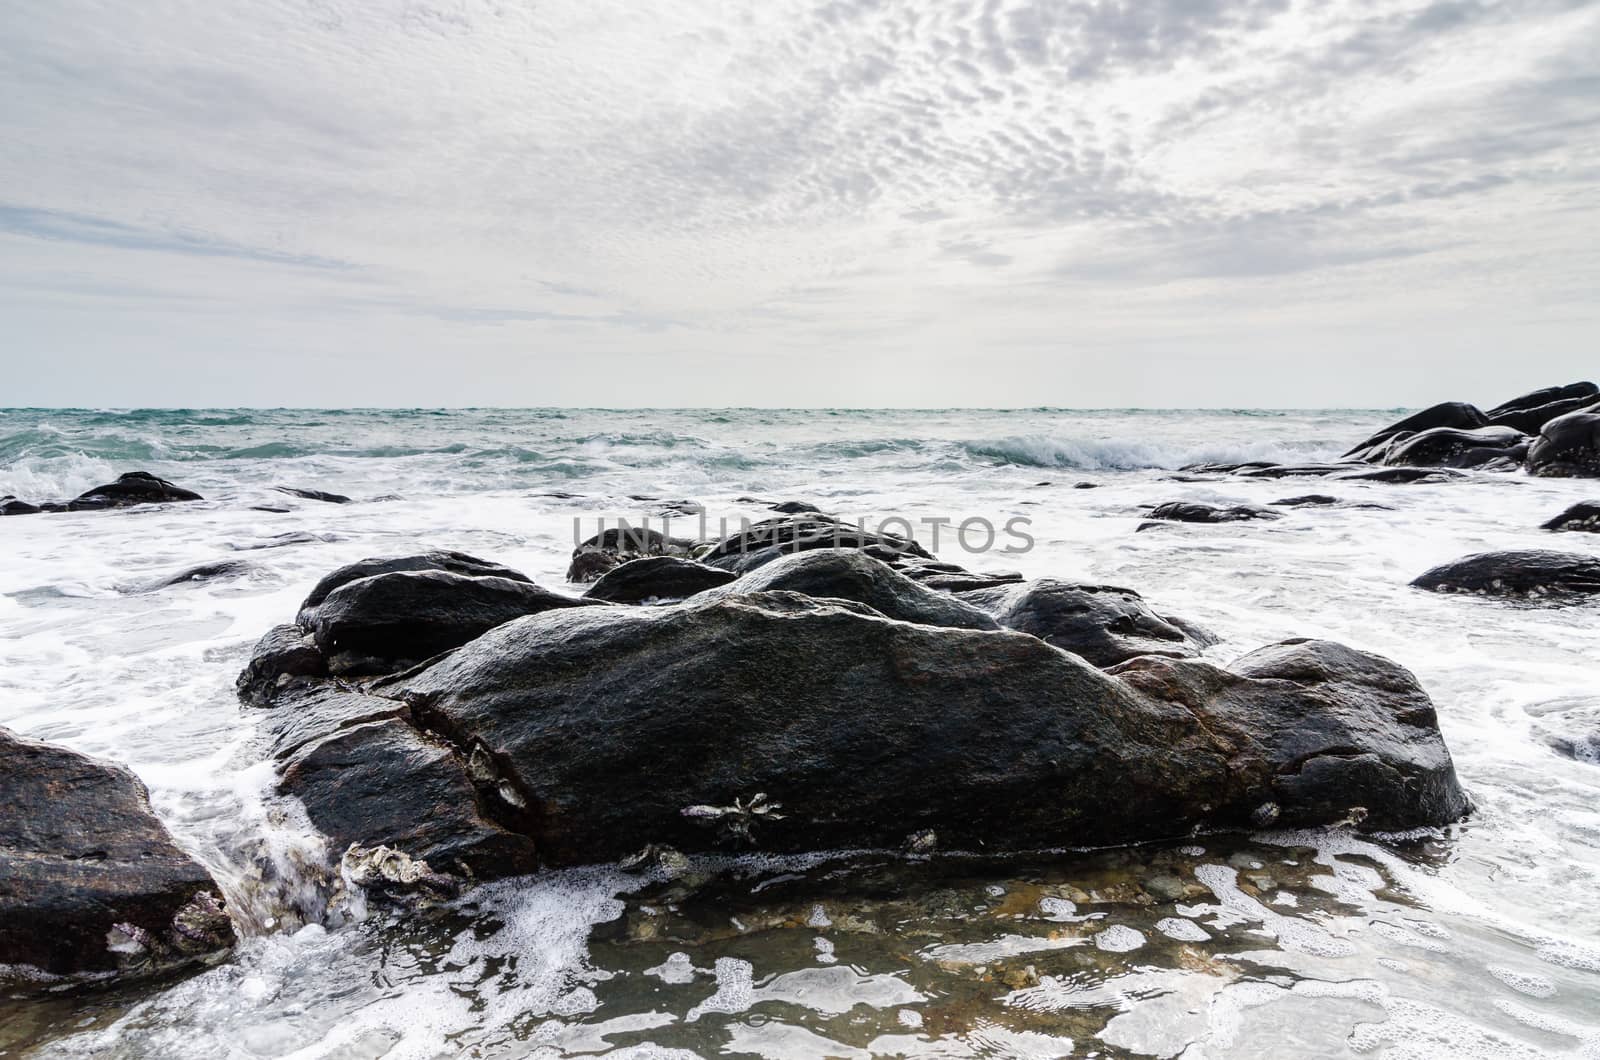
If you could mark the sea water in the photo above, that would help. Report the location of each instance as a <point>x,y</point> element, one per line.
<point>1480,941</point>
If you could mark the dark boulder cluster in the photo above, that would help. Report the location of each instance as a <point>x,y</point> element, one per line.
<point>136,487</point>
<point>826,697</point>
<point>1552,432</point>
<point>90,881</point>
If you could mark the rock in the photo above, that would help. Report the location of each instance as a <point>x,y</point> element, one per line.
<point>1190,512</point>
<point>1307,500</point>
<point>1449,447</point>
<point>848,574</point>
<point>1530,412</point>
<point>9,505</point>
<point>1398,475</point>
<point>313,495</point>
<point>1103,624</point>
<point>1345,736</point>
<point>619,545</point>
<point>285,658</point>
<point>90,881</point>
<point>656,578</point>
<point>386,622</point>
<point>959,581</point>
<point>451,562</point>
<point>1531,573</point>
<point>1454,414</point>
<point>136,487</point>
<point>293,537</point>
<point>383,783</point>
<point>1583,516</point>
<point>795,508</point>
<point>204,572</point>
<point>799,724</point>
<point>1568,446</point>
<point>1573,733</point>
<point>761,543</point>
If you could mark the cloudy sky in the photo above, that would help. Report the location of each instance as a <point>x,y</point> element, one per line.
<point>767,202</point>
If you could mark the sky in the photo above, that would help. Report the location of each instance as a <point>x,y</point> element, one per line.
<point>915,203</point>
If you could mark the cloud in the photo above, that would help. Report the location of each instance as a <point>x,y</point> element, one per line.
<point>710,180</point>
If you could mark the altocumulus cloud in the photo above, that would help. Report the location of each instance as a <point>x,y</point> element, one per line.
<point>1007,202</point>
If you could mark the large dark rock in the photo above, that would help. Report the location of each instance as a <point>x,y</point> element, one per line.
<point>1454,414</point>
<point>849,574</point>
<point>284,659</point>
<point>1530,412</point>
<point>136,487</point>
<point>1342,732</point>
<point>389,621</point>
<point>90,881</point>
<point>656,578</point>
<point>450,562</point>
<point>799,724</point>
<point>9,505</point>
<point>1103,624</point>
<point>1531,573</point>
<point>370,779</point>
<point>1568,446</point>
<point>1449,447</point>
<point>1194,512</point>
<point>761,543</point>
<point>1583,516</point>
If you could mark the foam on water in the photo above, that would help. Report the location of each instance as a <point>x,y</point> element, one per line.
<point>1491,944</point>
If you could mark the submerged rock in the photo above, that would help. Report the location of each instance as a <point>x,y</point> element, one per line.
<point>1103,624</point>
<point>656,578</point>
<point>1573,733</point>
<point>136,487</point>
<point>90,881</point>
<point>1529,573</point>
<point>389,621</point>
<point>1194,512</point>
<point>1568,446</point>
<point>203,572</point>
<point>313,495</point>
<point>1583,516</point>
<point>848,574</point>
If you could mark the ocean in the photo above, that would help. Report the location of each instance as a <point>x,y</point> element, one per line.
<point>1480,941</point>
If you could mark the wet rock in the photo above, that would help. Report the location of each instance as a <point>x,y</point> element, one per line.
<point>386,622</point>
<point>1103,624</point>
<point>9,505</point>
<point>795,507</point>
<point>1397,475</point>
<point>293,537</point>
<point>283,659</point>
<point>313,495</point>
<point>203,572</point>
<point>1342,735</point>
<point>136,487</point>
<point>959,581</point>
<point>1193,512</point>
<point>656,578</point>
<point>1449,447</point>
<point>450,562</point>
<point>801,724</point>
<point>848,574</point>
<point>761,543</point>
<point>1457,415</point>
<point>90,881</point>
<point>1568,446</point>
<point>607,549</point>
<point>383,783</point>
<point>1583,516</point>
<point>1307,501</point>
<point>1530,574</point>
<point>1573,733</point>
<point>1530,412</point>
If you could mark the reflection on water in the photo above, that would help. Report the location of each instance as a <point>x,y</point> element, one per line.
<point>1280,944</point>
